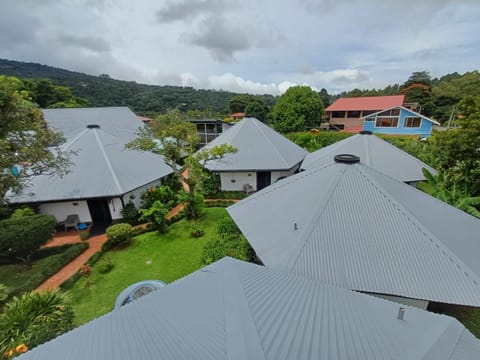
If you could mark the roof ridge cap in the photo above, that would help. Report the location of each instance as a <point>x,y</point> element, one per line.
<point>269,141</point>
<point>107,160</point>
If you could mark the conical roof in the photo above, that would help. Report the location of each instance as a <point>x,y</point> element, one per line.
<point>236,310</point>
<point>259,147</point>
<point>373,152</point>
<point>352,226</point>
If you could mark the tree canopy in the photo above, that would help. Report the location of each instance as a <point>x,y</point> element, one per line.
<point>299,108</point>
<point>27,146</point>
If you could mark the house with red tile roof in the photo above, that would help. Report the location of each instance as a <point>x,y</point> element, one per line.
<point>347,113</point>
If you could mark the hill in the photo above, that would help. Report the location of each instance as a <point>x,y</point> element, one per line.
<point>105,91</point>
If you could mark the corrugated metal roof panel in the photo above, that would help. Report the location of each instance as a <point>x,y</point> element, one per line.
<point>236,310</point>
<point>374,152</point>
<point>366,103</point>
<point>362,230</point>
<point>259,147</point>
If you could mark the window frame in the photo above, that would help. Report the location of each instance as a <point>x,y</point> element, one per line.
<point>412,117</point>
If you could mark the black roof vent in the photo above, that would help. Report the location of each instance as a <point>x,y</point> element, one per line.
<point>365,132</point>
<point>93,126</point>
<point>346,158</point>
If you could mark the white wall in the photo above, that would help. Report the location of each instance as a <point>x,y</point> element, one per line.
<point>61,209</point>
<point>420,304</point>
<point>115,206</point>
<point>234,181</point>
<point>138,192</point>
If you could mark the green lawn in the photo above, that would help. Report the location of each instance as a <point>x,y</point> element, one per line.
<point>166,257</point>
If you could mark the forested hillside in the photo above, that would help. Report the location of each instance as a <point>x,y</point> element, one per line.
<point>143,99</point>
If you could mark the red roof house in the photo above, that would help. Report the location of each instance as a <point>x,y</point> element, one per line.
<point>346,113</point>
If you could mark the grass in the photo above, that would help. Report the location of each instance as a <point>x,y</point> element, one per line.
<point>21,277</point>
<point>165,257</point>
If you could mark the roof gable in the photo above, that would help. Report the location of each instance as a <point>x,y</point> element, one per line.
<point>409,111</point>
<point>344,225</point>
<point>366,103</point>
<point>236,310</point>
<point>259,147</point>
<point>374,152</point>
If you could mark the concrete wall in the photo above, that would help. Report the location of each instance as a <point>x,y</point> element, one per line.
<point>234,181</point>
<point>425,129</point>
<point>61,209</point>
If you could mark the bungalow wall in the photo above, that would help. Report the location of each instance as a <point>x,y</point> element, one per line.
<point>61,209</point>
<point>400,124</point>
<point>234,181</point>
<point>348,119</point>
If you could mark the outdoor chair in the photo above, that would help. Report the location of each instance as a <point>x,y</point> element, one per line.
<point>71,221</point>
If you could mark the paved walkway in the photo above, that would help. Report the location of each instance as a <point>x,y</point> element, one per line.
<point>71,268</point>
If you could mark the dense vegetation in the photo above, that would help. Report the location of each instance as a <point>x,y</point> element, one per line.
<point>141,98</point>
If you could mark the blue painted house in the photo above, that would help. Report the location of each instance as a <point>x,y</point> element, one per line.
<point>399,120</point>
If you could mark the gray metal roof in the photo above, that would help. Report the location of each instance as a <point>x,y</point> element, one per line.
<point>363,230</point>
<point>236,310</point>
<point>259,147</point>
<point>101,167</point>
<point>373,152</point>
<point>120,122</point>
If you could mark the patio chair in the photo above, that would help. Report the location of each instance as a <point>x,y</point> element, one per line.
<point>71,221</point>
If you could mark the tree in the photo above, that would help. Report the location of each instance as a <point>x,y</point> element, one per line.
<point>325,97</point>
<point>418,89</point>
<point>25,140</point>
<point>458,150</point>
<point>32,319</point>
<point>257,110</point>
<point>251,105</point>
<point>299,108</point>
<point>48,95</point>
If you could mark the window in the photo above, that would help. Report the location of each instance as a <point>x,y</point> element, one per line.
<point>391,112</point>
<point>370,118</point>
<point>368,112</point>
<point>386,121</point>
<point>413,122</point>
<point>338,114</point>
<point>353,114</point>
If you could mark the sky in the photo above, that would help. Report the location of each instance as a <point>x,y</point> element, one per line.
<point>254,46</point>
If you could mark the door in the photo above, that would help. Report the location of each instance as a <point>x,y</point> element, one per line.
<point>264,178</point>
<point>100,212</point>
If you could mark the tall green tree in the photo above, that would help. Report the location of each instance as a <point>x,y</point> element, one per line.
<point>251,105</point>
<point>299,108</point>
<point>25,140</point>
<point>48,95</point>
<point>418,89</point>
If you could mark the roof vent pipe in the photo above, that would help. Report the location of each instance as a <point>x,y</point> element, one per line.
<point>365,132</point>
<point>401,313</point>
<point>346,158</point>
<point>93,126</point>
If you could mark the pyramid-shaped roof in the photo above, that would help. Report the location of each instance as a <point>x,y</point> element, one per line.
<point>101,167</point>
<point>236,310</point>
<point>349,225</point>
<point>373,152</point>
<point>259,147</point>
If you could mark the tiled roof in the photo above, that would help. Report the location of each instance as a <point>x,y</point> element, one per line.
<point>366,103</point>
<point>236,310</point>
<point>352,226</point>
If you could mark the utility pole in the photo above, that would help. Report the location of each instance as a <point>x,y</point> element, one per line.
<point>452,116</point>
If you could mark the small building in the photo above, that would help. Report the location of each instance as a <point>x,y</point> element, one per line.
<point>237,116</point>
<point>263,156</point>
<point>374,152</point>
<point>209,129</point>
<point>346,113</point>
<point>235,310</point>
<point>352,226</point>
<point>399,120</point>
<point>104,175</point>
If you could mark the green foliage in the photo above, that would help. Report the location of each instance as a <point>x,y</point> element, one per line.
<point>299,108</point>
<point>227,228</point>
<point>257,110</point>
<point>84,234</point>
<point>156,214</point>
<point>105,265</point>
<point>312,142</point>
<point>193,204</point>
<point>210,183</point>
<point>24,138</point>
<point>22,212</point>
<point>130,214</point>
<point>21,237</point>
<point>118,234</point>
<point>163,193</point>
<point>196,230</point>
<point>3,292</point>
<point>34,318</point>
<point>252,105</point>
<point>219,203</point>
<point>48,95</point>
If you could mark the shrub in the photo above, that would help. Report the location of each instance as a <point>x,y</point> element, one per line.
<point>32,319</point>
<point>3,292</point>
<point>118,234</point>
<point>193,204</point>
<point>216,249</point>
<point>68,284</point>
<point>163,193</point>
<point>210,183</point>
<point>130,214</point>
<point>20,238</point>
<point>227,228</point>
<point>139,230</point>
<point>156,214</point>
<point>196,230</point>
<point>84,234</point>
<point>219,203</point>
<point>22,212</point>
<point>105,265</point>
